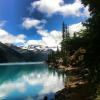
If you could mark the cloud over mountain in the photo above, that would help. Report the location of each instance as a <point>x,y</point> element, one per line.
<point>43,25</point>
<point>7,37</point>
<point>51,39</point>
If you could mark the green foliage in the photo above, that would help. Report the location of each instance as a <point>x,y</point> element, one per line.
<point>72,44</point>
<point>3,57</point>
<point>52,57</point>
<point>65,60</point>
<point>93,28</point>
<point>88,38</point>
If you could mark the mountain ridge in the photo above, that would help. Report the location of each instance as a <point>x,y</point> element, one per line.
<point>12,53</point>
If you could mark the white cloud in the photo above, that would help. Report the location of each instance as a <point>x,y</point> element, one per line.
<point>6,37</point>
<point>43,32</point>
<point>31,22</point>
<point>47,6</point>
<point>53,39</point>
<point>50,39</point>
<point>58,6</point>
<point>86,12</point>
<point>2,23</point>
<point>35,42</point>
<point>75,28</point>
<point>32,42</point>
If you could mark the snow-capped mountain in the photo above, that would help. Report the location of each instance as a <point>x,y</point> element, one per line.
<point>12,53</point>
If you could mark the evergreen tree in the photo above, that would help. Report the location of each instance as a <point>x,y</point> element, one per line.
<point>93,29</point>
<point>63,30</point>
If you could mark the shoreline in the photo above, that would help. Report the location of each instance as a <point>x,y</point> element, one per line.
<point>78,88</point>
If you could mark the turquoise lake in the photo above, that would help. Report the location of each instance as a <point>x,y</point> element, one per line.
<point>29,81</point>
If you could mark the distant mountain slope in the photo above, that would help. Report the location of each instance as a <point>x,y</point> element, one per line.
<point>16,54</point>
<point>8,54</point>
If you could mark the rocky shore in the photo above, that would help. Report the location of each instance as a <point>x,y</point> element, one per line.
<point>76,87</point>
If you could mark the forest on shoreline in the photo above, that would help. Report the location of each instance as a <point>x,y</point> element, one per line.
<point>83,49</point>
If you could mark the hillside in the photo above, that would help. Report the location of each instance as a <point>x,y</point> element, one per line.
<point>16,54</point>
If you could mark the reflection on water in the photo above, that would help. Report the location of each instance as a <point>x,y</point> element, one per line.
<point>29,82</point>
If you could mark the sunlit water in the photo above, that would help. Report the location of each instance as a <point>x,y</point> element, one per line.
<point>31,81</point>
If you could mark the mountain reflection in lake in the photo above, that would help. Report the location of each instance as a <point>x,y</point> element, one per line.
<point>28,82</point>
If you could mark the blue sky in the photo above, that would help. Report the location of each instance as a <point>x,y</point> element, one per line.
<point>39,22</point>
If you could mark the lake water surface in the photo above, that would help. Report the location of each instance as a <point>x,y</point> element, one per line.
<point>29,81</point>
